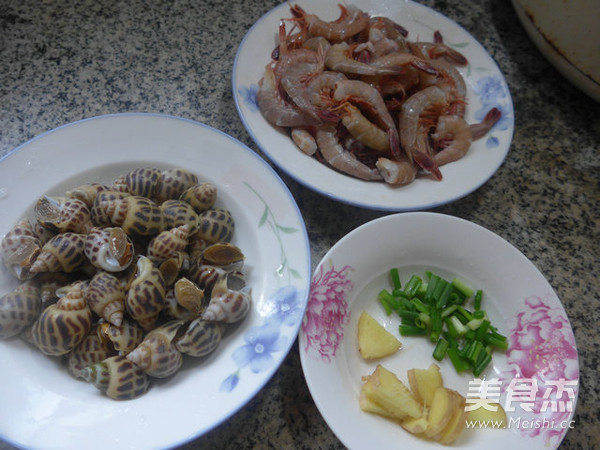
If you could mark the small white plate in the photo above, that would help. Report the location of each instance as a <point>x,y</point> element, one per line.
<point>42,405</point>
<point>486,88</point>
<point>518,299</point>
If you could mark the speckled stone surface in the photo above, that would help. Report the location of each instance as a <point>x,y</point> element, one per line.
<point>65,61</point>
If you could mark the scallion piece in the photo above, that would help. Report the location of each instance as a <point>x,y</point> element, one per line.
<point>423,320</point>
<point>411,330</point>
<point>462,287</point>
<point>412,286</point>
<point>482,364</point>
<point>477,300</point>
<point>409,316</point>
<point>395,276</point>
<point>457,361</point>
<point>440,349</point>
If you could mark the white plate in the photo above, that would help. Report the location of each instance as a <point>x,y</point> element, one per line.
<point>486,89</point>
<point>42,405</point>
<point>518,299</point>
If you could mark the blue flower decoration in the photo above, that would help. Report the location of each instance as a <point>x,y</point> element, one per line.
<point>230,382</point>
<point>261,342</point>
<point>248,94</point>
<point>286,306</point>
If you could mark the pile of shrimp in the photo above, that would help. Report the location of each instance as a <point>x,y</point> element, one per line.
<point>357,95</point>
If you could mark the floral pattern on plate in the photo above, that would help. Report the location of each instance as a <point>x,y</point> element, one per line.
<point>285,307</point>
<point>327,312</point>
<point>542,357</point>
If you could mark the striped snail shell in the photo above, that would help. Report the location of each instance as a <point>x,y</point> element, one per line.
<point>86,192</point>
<point>63,253</point>
<point>109,248</point>
<point>117,377</point>
<point>140,181</point>
<point>19,249</point>
<point>205,275</point>
<point>156,355</point>
<point>90,351</point>
<point>137,215</point>
<point>173,182</point>
<point>60,214</point>
<point>200,338</point>
<point>19,309</point>
<point>105,296</point>
<point>169,243</point>
<point>123,338</point>
<point>200,196</point>
<point>99,209</point>
<point>176,213</point>
<point>227,305</point>
<point>63,325</point>
<point>145,294</point>
<point>215,225</point>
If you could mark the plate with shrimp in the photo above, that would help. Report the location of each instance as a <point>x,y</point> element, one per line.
<point>378,104</point>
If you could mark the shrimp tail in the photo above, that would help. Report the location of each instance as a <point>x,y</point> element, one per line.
<point>427,163</point>
<point>395,145</point>
<point>478,130</point>
<point>424,66</point>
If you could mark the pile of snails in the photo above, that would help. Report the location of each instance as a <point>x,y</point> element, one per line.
<point>123,280</point>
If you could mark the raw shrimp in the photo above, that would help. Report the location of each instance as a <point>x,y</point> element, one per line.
<point>478,130</point>
<point>274,108</point>
<point>368,98</point>
<point>391,30</point>
<point>317,44</point>
<point>351,22</point>
<point>381,44</point>
<point>451,82</point>
<point>321,88</point>
<point>339,59</point>
<point>295,80</point>
<point>364,130</point>
<point>397,173</point>
<point>436,50</point>
<point>400,60</point>
<point>339,158</point>
<point>412,129</point>
<point>454,135</point>
<point>304,140</point>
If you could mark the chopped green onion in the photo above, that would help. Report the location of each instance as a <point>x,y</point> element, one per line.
<point>410,316</point>
<point>448,310</point>
<point>462,287</point>
<point>394,274</point>
<point>423,320</point>
<point>420,306</point>
<point>477,300</point>
<point>457,361</point>
<point>411,330</point>
<point>429,294</point>
<point>440,349</point>
<point>412,286</point>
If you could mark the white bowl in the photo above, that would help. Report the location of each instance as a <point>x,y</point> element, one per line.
<point>517,298</point>
<point>568,35</point>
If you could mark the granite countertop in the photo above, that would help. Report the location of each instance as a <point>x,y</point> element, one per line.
<point>65,61</point>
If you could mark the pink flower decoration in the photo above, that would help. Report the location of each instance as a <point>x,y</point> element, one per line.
<point>326,313</point>
<point>542,348</point>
